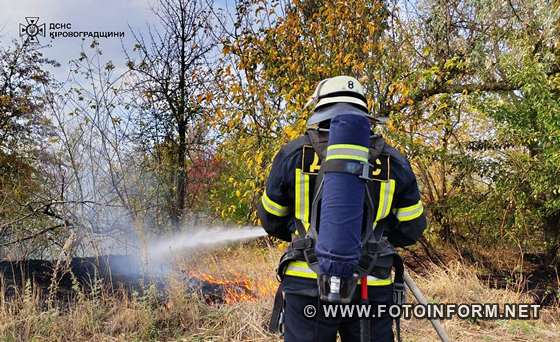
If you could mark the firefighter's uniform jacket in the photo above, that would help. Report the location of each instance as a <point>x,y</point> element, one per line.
<point>290,189</point>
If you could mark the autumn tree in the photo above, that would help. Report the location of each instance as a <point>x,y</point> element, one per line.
<point>430,68</point>
<point>273,58</point>
<point>169,65</point>
<point>26,209</point>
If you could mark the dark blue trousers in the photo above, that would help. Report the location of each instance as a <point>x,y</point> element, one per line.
<point>297,328</point>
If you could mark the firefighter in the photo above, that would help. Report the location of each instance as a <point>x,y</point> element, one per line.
<point>393,217</point>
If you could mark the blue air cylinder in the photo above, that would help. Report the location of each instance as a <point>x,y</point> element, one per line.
<point>338,245</point>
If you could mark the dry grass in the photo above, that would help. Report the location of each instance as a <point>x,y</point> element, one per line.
<point>458,283</point>
<point>104,317</point>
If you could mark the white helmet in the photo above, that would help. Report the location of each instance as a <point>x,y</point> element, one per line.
<point>339,89</point>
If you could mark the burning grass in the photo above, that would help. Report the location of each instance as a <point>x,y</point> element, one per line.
<point>248,271</point>
<point>251,268</point>
<point>228,291</point>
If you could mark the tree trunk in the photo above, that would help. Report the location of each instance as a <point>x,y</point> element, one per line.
<point>552,237</point>
<point>181,118</point>
<point>181,178</point>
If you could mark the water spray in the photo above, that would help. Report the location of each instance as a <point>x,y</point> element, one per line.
<point>201,238</point>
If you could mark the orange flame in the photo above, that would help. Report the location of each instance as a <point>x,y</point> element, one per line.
<point>239,288</point>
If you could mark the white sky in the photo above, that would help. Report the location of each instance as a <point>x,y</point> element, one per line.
<point>84,15</point>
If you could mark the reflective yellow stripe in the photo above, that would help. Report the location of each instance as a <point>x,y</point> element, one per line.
<point>301,269</point>
<point>348,146</point>
<point>374,281</point>
<point>386,192</point>
<point>347,151</point>
<point>346,156</point>
<point>273,207</point>
<point>409,213</point>
<point>302,198</point>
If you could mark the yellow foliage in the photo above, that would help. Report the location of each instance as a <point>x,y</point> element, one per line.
<point>270,77</point>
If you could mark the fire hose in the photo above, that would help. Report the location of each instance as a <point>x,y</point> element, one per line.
<point>422,300</point>
<point>365,328</point>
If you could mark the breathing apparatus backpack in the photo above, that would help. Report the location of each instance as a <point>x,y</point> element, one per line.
<point>345,240</point>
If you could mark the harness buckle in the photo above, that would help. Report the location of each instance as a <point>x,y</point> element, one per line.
<point>310,257</point>
<point>302,243</point>
<point>365,171</point>
<point>365,263</point>
<point>372,247</point>
<point>398,293</point>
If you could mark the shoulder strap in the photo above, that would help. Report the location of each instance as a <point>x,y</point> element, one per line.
<point>317,194</point>
<point>376,147</point>
<point>319,141</point>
